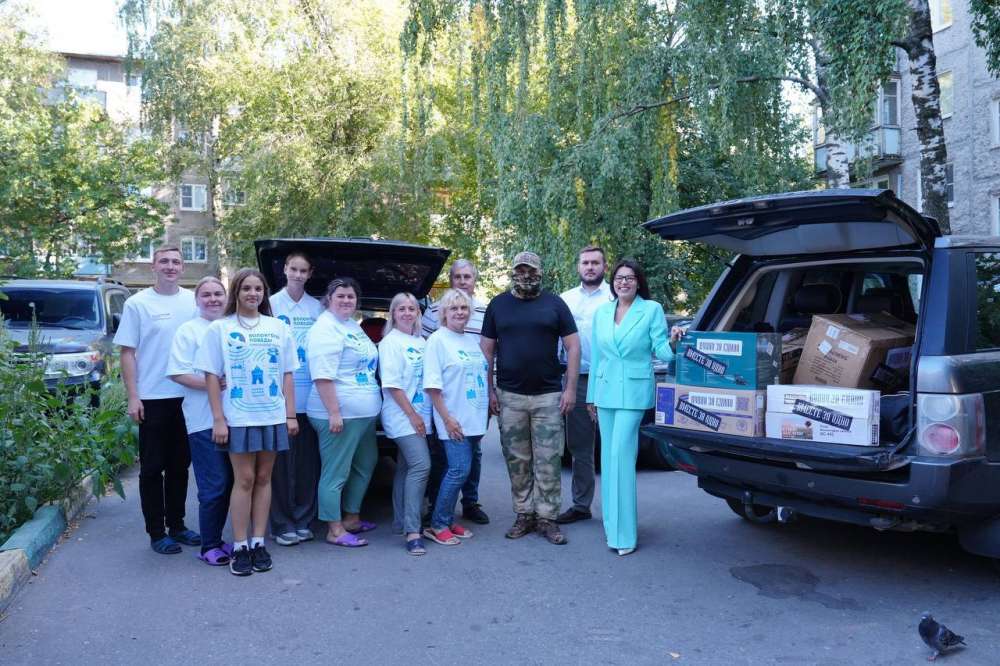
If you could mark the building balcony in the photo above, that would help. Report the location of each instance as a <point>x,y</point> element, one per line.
<point>882,145</point>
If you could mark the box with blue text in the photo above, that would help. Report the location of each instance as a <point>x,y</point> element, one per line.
<point>823,414</point>
<point>710,410</point>
<point>740,361</point>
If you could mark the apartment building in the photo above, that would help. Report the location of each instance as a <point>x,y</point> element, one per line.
<point>104,80</point>
<point>970,105</point>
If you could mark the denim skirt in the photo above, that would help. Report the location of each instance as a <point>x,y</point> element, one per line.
<point>252,439</point>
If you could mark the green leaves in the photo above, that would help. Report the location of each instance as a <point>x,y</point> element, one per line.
<point>986,28</point>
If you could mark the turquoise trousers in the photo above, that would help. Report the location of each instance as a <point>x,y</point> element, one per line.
<point>347,460</point>
<point>619,448</point>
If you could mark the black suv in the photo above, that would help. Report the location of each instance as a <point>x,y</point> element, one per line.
<point>937,466</point>
<point>76,320</point>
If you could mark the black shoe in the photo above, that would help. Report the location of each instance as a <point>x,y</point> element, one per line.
<point>261,558</point>
<point>571,515</point>
<point>551,532</point>
<point>475,513</point>
<point>525,524</point>
<point>241,563</point>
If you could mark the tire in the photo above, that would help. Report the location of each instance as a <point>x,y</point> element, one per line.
<point>758,513</point>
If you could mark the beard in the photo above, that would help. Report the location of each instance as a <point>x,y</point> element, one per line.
<point>592,282</point>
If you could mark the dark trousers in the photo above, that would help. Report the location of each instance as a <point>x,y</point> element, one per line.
<point>214,476</point>
<point>294,481</point>
<point>581,434</point>
<point>439,465</point>
<point>164,458</point>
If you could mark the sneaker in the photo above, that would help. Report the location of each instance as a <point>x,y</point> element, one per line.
<point>573,514</point>
<point>551,532</point>
<point>287,539</point>
<point>305,534</point>
<point>242,563</point>
<point>261,558</point>
<point>475,513</point>
<point>460,531</point>
<point>524,524</point>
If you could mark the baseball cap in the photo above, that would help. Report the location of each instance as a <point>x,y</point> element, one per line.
<point>528,259</point>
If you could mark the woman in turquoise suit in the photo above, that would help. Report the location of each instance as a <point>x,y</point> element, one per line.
<point>627,333</point>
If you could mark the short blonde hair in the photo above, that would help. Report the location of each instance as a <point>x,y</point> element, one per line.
<point>205,280</point>
<point>452,297</point>
<point>397,300</point>
<point>167,248</point>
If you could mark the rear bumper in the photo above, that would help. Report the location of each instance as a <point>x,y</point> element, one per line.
<point>881,484</point>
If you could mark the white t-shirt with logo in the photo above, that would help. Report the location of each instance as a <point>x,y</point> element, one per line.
<point>187,340</point>
<point>401,364</point>
<point>341,352</point>
<point>300,316</point>
<point>254,360</point>
<point>454,363</point>
<point>148,324</point>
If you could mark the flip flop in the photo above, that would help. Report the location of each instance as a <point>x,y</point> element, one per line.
<point>227,548</point>
<point>348,540</point>
<point>361,527</point>
<point>186,537</point>
<point>215,557</point>
<point>165,546</point>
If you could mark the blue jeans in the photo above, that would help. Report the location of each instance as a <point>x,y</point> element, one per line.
<point>470,490</point>
<point>459,454</point>
<point>214,476</point>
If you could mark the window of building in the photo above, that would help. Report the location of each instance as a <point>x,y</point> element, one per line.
<point>987,300</point>
<point>233,197</point>
<point>941,16</point>
<point>949,183</point>
<point>946,81</point>
<point>995,216</point>
<point>194,249</point>
<point>819,133</point>
<point>995,121</point>
<point>888,104</point>
<point>145,252</point>
<point>194,197</point>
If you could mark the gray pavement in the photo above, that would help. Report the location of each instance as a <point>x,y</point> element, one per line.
<point>704,588</point>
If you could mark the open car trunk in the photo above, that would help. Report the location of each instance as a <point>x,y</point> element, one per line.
<point>831,252</point>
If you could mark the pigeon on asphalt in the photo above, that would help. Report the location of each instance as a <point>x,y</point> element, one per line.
<point>937,636</point>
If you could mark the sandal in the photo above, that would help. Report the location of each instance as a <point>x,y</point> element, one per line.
<point>442,536</point>
<point>214,557</point>
<point>415,547</point>
<point>186,537</point>
<point>227,548</point>
<point>348,540</point>
<point>165,546</point>
<point>362,526</point>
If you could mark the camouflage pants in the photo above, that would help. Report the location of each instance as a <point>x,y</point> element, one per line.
<point>531,435</point>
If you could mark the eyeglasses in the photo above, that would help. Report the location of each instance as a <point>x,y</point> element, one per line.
<point>626,279</point>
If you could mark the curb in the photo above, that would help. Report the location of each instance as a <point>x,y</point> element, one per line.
<point>32,541</point>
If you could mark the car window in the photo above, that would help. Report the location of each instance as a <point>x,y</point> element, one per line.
<point>987,300</point>
<point>915,282</point>
<point>116,303</point>
<point>753,316</point>
<point>51,307</point>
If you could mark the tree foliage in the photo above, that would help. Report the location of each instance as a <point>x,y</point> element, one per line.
<point>986,28</point>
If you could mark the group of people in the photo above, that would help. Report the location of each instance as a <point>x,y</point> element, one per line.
<point>273,401</point>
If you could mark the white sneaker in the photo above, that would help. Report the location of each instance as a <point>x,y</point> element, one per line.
<point>304,535</point>
<point>287,539</point>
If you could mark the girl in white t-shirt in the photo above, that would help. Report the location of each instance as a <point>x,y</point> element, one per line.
<point>406,414</point>
<point>343,405</point>
<point>455,380</point>
<point>254,416</point>
<point>211,467</point>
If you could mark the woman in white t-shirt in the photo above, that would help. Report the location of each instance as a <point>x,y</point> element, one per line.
<point>343,405</point>
<point>211,467</point>
<point>255,354</point>
<point>406,414</point>
<point>455,380</point>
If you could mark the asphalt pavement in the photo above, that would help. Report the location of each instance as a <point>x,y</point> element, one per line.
<point>704,587</point>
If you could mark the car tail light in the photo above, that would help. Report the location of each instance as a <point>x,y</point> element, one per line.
<point>951,425</point>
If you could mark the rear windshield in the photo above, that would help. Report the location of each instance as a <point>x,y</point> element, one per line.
<point>63,308</point>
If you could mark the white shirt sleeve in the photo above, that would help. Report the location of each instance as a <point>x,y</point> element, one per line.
<point>290,362</point>
<point>182,351</point>
<point>128,333</point>
<point>391,364</point>
<point>324,351</point>
<point>434,364</point>
<point>209,357</point>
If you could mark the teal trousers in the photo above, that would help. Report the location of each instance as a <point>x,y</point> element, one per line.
<point>619,448</point>
<point>347,460</point>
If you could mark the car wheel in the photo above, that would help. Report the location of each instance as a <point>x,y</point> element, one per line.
<point>755,513</point>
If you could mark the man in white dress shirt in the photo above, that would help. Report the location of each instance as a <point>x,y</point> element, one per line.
<point>581,431</point>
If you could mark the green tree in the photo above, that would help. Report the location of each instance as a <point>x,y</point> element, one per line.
<point>986,28</point>
<point>70,177</point>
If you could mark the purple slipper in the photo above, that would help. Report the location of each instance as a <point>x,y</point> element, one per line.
<point>215,557</point>
<point>227,548</point>
<point>361,527</point>
<point>348,540</point>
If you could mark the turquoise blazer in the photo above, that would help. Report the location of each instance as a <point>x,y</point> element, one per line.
<point>621,356</point>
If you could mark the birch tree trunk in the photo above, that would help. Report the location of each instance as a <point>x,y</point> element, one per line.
<point>919,48</point>
<point>838,166</point>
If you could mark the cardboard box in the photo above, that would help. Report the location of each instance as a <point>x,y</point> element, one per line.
<point>739,361</point>
<point>711,410</point>
<point>792,344</point>
<point>857,351</point>
<point>823,414</point>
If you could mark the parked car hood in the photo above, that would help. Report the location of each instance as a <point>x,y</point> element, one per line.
<point>802,223</point>
<point>55,340</point>
<point>383,268</point>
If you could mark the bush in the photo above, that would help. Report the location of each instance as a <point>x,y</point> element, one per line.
<point>51,440</point>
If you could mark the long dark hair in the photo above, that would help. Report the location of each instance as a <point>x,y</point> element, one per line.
<point>641,286</point>
<point>338,282</point>
<point>234,291</point>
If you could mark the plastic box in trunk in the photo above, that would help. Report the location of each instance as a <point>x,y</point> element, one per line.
<point>726,411</point>
<point>739,361</point>
<point>823,414</point>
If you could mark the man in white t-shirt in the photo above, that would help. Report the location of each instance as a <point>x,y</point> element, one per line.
<point>581,431</point>
<point>145,335</point>
<point>296,471</point>
<point>462,276</point>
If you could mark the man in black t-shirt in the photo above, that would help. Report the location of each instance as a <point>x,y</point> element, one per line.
<point>522,329</point>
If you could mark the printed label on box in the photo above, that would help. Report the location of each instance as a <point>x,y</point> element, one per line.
<point>705,361</point>
<point>713,401</point>
<point>822,414</point>
<point>848,347</point>
<point>825,347</point>
<point>719,347</point>
<point>832,332</point>
<point>899,357</point>
<point>699,415</point>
